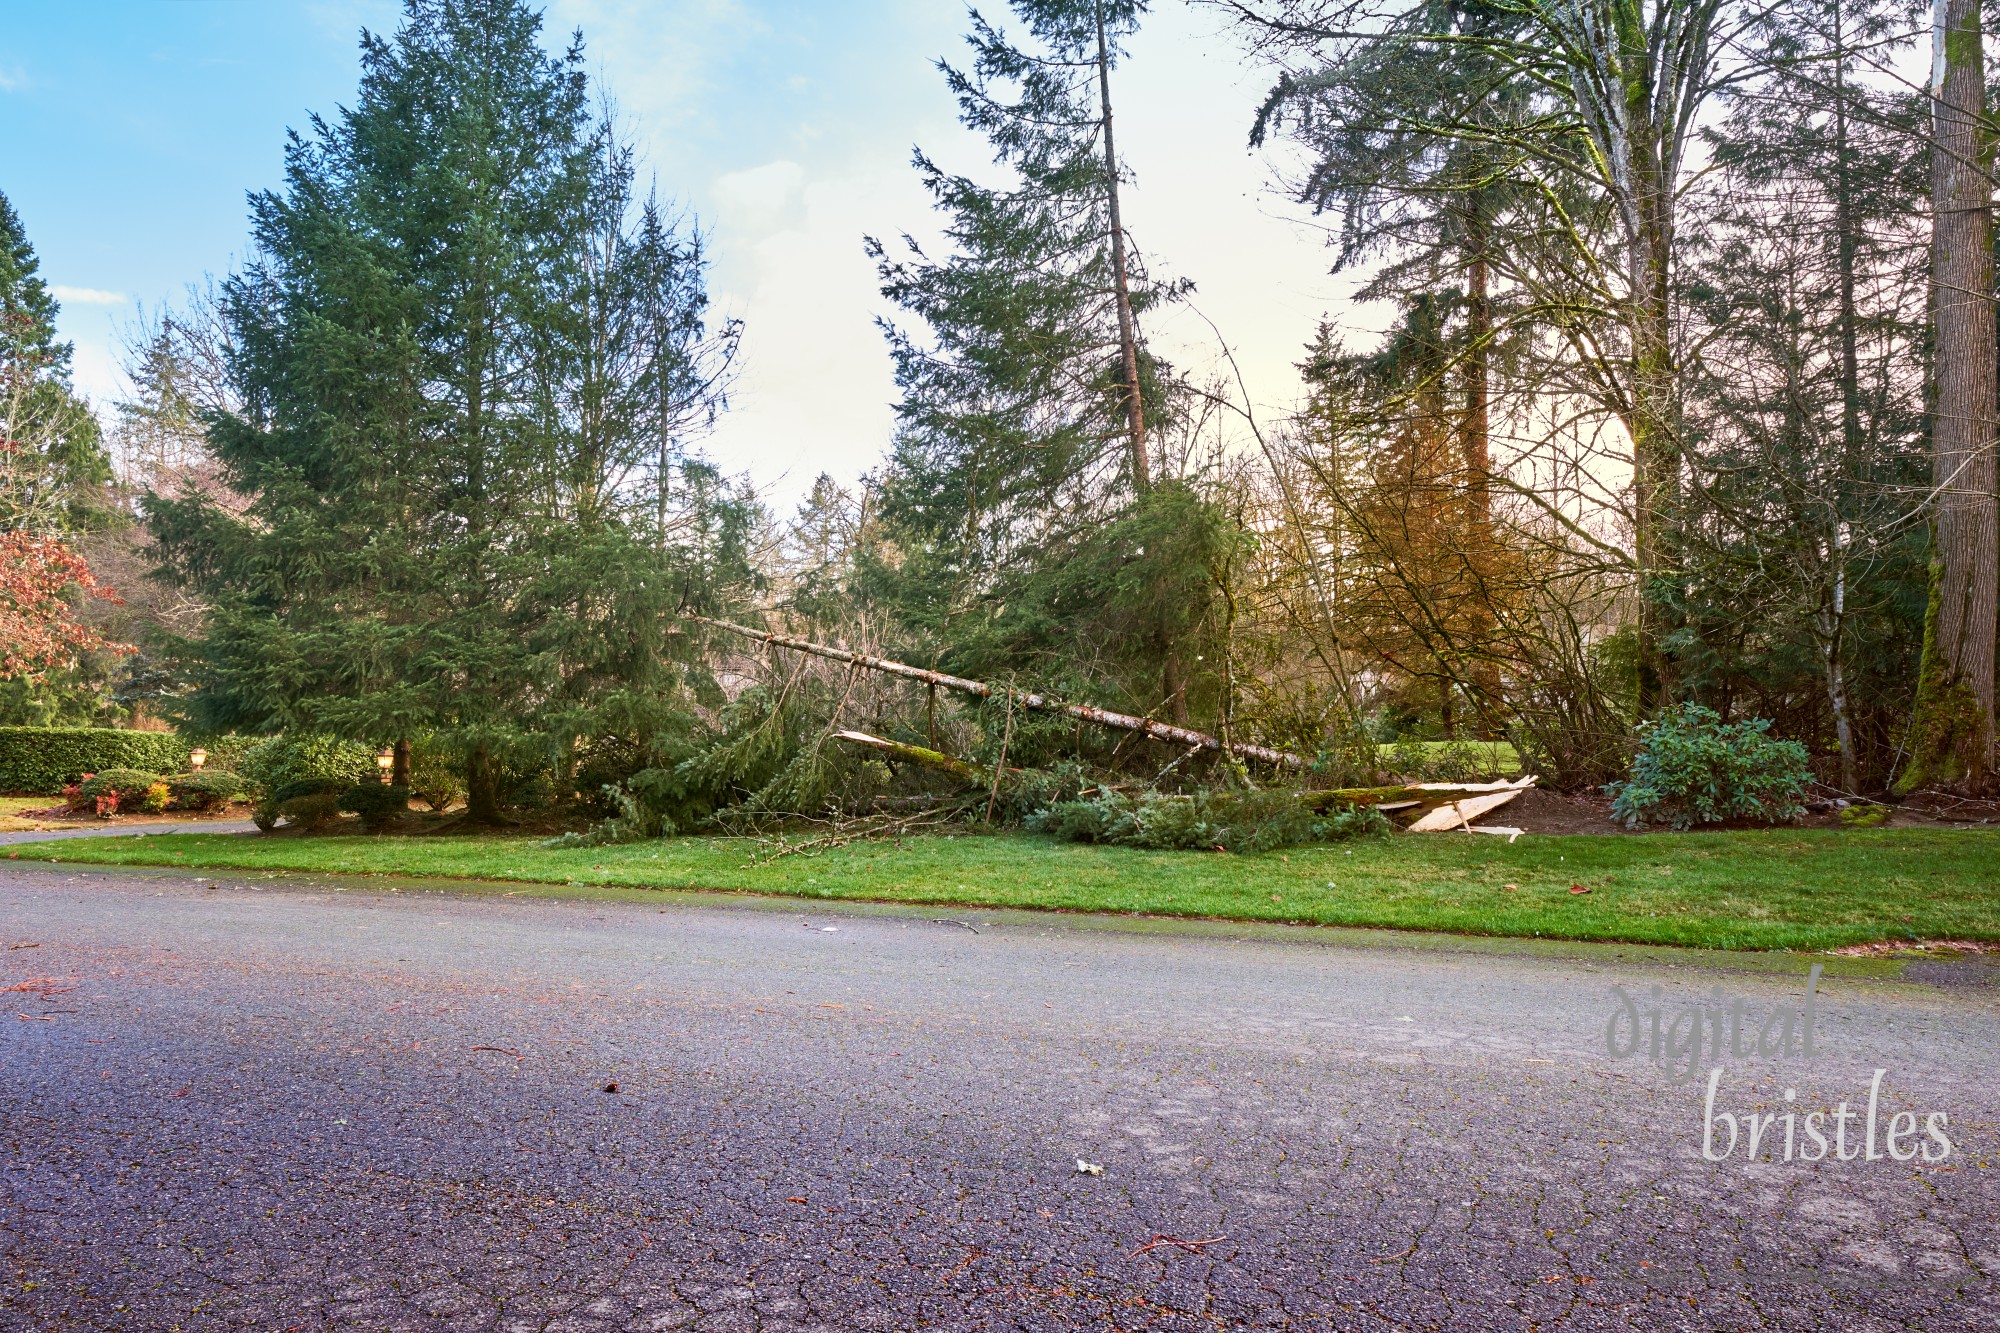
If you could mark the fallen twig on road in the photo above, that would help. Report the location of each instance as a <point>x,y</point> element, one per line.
<point>502,1050</point>
<point>1191,1246</point>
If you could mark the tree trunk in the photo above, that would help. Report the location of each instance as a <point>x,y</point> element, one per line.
<point>1833,633</point>
<point>1655,446</point>
<point>1847,246</point>
<point>1953,736</point>
<point>1173,686</point>
<point>1477,449</point>
<point>1173,735</point>
<point>971,774</point>
<point>482,782</point>
<point>399,771</point>
<point>1128,335</point>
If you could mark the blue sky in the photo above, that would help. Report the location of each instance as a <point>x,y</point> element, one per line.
<point>130,134</point>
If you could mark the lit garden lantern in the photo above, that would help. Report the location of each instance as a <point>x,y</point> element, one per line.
<point>385,761</point>
<point>196,758</point>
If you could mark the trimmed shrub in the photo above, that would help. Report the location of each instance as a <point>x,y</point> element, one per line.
<point>41,761</point>
<point>282,760</point>
<point>306,801</point>
<point>154,799</point>
<point>375,803</point>
<point>117,781</point>
<point>205,790</point>
<point>225,753</point>
<point>308,812</point>
<point>1692,769</point>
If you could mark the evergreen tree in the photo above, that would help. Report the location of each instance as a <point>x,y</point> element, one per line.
<point>52,457</point>
<point>53,472</point>
<point>1030,523</point>
<point>1806,294</point>
<point>442,372</point>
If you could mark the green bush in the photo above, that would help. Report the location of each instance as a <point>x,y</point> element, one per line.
<point>41,761</point>
<point>376,803</point>
<point>310,812</point>
<point>225,753</point>
<point>310,801</point>
<point>205,790</point>
<point>1692,769</point>
<point>123,781</point>
<point>434,773</point>
<point>282,760</point>
<point>1256,821</point>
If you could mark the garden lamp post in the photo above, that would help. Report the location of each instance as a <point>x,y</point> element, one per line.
<point>196,758</point>
<point>384,762</point>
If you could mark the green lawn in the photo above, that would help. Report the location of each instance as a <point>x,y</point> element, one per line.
<point>12,809</point>
<point>1497,758</point>
<point>1763,890</point>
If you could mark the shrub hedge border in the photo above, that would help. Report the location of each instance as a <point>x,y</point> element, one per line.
<point>40,761</point>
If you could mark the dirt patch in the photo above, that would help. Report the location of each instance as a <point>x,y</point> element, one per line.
<point>1940,807</point>
<point>1946,949</point>
<point>1537,810</point>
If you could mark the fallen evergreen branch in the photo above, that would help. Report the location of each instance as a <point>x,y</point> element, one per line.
<point>980,689</point>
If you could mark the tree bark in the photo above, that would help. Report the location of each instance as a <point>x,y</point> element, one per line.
<point>1477,451</point>
<point>1128,335</point>
<point>1655,446</point>
<point>1847,247</point>
<point>482,794</point>
<point>971,774</point>
<point>399,771</point>
<point>1954,731</point>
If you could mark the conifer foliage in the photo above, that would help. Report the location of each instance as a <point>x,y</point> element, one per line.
<point>460,348</point>
<point>1036,520</point>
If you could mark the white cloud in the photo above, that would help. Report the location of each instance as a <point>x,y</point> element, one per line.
<point>761,200</point>
<point>87,296</point>
<point>96,372</point>
<point>13,79</point>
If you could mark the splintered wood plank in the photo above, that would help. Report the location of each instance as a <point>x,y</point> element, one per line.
<point>1454,814</point>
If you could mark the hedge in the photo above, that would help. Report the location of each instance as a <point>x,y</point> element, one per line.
<point>39,761</point>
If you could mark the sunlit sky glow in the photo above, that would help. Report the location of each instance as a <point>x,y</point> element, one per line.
<point>130,134</point>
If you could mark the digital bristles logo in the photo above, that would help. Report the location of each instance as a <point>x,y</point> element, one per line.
<point>1707,1036</point>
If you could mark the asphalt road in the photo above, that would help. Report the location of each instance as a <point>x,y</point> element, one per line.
<point>261,1106</point>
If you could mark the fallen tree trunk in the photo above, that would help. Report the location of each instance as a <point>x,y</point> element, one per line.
<point>1103,717</point>
<point>971,774</point>
<point>1449,804</point>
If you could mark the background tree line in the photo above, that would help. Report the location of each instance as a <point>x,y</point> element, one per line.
<point>1689,396</point>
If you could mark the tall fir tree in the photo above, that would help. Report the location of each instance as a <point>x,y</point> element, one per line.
<point>52,457</point>
<point>53,502</point>
<point>443,418</point>
<point>1803,560</point>
<point>1034,522</point>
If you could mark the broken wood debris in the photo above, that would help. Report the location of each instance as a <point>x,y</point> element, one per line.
<point>1145,726</point>
<point>1478,798</point>
<point>1447,805</point>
